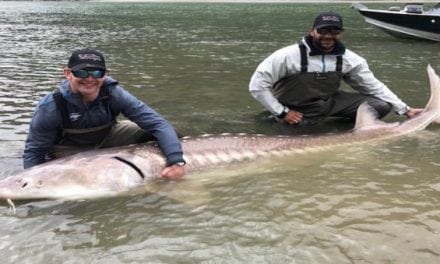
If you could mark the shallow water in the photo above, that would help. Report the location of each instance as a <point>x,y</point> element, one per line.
<point>372,203</point>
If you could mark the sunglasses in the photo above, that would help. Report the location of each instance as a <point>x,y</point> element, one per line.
<point>325,31</point>
<point>96,74</point>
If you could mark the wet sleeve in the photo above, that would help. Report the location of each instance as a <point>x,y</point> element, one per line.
<point>271,70</point>
<point>362,79</point>
<point>150,121</point>
<point>42,135</point>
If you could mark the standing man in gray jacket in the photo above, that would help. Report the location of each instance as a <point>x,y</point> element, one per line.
<point>299,84</point>
<point>82,113</point>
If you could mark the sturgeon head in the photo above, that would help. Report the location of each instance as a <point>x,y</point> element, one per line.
<point>90,174</point>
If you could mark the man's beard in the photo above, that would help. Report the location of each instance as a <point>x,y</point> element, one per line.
<point>317,43</point>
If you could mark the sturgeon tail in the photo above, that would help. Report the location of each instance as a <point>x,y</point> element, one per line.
<point>434,101</point>
<point>367,119</point>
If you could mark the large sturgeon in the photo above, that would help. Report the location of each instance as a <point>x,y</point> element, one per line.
<point>118,171</point>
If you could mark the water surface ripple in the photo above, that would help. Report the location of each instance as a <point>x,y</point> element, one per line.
<point>372,203</point>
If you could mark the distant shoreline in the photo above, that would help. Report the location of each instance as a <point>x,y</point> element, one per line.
<point>267,1</point>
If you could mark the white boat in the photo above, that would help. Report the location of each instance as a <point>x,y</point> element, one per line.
<point>410,21</point>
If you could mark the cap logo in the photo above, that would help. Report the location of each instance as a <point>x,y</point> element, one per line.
<point>92,57</point>
<point>330,18</point>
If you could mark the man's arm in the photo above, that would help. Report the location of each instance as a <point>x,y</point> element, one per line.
<point>272,69</point>
<point>42,135</point>
<point>150,121</point>
<point>280,64</point>
<point>362,79</point>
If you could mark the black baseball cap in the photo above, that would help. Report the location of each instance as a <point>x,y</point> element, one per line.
<point>86,58</point>
<point>328,19</point>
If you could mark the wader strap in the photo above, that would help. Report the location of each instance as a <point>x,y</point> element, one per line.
<point>61,104</point>
<point>81,131</point>
<point>106,101</point>
<point>304,61</point>
<point>339,63</point>
<point>62,107</point>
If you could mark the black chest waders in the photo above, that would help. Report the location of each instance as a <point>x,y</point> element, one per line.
<point>87,137</point>
<point>309,92</point>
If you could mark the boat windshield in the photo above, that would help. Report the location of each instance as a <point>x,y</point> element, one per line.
<point>436,9</point>
<point>413,8</point>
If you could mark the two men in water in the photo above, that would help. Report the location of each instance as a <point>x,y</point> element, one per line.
<point>298,84</point>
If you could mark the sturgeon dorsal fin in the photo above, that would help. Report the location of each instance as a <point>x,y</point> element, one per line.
<point>366,118</point>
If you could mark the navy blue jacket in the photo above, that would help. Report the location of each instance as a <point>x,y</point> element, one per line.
<point>46,124</point>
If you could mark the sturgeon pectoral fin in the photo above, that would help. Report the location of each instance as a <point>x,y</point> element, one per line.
<point>366,118</point>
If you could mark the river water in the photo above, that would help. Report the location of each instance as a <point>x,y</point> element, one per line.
<point>370,203</point>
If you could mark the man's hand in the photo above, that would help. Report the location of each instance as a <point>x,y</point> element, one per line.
<point>173,172</point>
<point>412,112</point>
<point>293,117</point>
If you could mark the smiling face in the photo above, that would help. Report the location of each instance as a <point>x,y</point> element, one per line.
<point>325,38</point>
<point>87,87</point>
